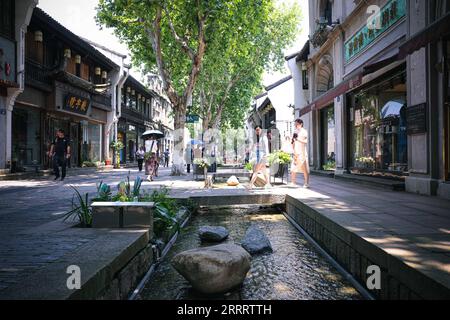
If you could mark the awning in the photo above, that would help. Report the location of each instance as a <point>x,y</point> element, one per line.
<point>371,68</point>
<point>327,98</point>
<point>431,34</point>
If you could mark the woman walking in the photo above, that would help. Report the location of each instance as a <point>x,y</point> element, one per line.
<point>300,163</point>
<point>260,154</point>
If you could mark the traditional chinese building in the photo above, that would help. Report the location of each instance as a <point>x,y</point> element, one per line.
<point>68,87</point>
<point>15,16</point>
<point>136,117</point>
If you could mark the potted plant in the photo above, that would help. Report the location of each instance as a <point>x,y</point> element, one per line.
<point>117,146</point>
<point>282,159</point>
<point>203,164</point>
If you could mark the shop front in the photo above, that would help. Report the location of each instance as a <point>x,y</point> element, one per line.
<point>82,122</point>
<point>378,130</point>
<point>26,138</point>
<point>130,134</point>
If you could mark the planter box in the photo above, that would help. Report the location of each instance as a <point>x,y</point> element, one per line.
<point>122,215</point>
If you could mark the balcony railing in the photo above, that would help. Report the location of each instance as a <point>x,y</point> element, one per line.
<point>321,34</point>
<point>37,73</point>
<point>102,99</point>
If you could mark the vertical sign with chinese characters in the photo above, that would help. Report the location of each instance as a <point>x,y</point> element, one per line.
<point>77,104</point>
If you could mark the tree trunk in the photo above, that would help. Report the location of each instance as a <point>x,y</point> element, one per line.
<point>178,153</point>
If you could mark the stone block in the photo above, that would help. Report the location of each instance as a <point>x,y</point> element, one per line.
<point>105,216</point>
<point>138,216</point>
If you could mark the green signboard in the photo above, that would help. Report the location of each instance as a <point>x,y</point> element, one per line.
<point>388,16</point>
<point>192,118</point>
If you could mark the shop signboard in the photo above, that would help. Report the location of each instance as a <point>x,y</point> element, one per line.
<point>378,24</point>
<point>76,104</point>
<point>7,63</point>
<point>192,118</point>
<point>416,119</point>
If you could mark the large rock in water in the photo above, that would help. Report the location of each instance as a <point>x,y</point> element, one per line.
<point>255,241</point>
<point>213,234</point>
<point>215,269</point>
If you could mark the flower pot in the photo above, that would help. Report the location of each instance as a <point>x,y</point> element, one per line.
<point>107,162</point>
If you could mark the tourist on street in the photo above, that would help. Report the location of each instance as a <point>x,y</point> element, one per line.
<point>166,158</point>
<point>60,152</point>
<point>300,163</point>
<point>140,155</point>
<point>260,153</point>
<point>188,157</point>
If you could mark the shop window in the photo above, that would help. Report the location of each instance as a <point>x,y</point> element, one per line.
<point>7,18</point>
<point>328,138</point>
<point>379,129</point>
<point>305,78</point>
<point>34,50</point>
<point>26,137</point>
<point>92,139</point>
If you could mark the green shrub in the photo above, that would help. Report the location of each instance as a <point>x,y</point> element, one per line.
<point>81,209</point>
<point>279,157</point>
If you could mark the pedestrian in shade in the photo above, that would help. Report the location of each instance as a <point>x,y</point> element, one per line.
<point>140,155</point>
<point>60,153</point>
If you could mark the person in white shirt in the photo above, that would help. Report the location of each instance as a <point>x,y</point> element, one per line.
<point>260,153</point>
<point>300,163</point>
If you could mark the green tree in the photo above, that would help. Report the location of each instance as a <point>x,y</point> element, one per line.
<point>234,64</point>
<point>174,37</point>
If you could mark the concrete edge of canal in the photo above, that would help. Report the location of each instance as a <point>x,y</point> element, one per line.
<point>399,281</point>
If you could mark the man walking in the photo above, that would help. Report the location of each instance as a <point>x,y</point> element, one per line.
<point>60,151</point>
<point>166,158</point>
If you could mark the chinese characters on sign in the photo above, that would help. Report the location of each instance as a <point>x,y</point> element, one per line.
<point>77,104</point>
<point>389,15</point>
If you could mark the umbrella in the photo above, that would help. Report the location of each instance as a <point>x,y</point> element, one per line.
<point>155,134</point>
<point>195,142</point>
<point>392,109</point>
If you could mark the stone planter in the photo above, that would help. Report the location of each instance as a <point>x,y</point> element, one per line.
<point>137,215</point>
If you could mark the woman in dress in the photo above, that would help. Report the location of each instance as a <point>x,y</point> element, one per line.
<point>300,163</point>
<point>260,153</point>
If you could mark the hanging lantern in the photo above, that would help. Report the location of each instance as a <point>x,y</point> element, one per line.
<point>67,53</point>
<point>104,75</point>
<point>128,89</point>
<point>148,100</point>
<point>98,71</point>
<point>143,99</point>
<point>139,96</point>
<point>133,92</point>
<point>38,36</point>
<point>304,66</point>
<point>78,59</point>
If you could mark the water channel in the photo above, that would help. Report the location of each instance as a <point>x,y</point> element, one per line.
<point>294,271</point>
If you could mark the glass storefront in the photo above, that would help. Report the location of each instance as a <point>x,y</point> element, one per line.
<point>91,150</point>
<point>26,137</point>
<point>378,127</point>
<point>328,138</point>
<point>131,142</point>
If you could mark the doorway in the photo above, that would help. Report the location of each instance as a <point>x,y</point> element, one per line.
<point>74,136</point>
<point>327,139</point>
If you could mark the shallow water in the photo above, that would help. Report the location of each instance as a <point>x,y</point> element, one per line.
<point>294,271</point>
